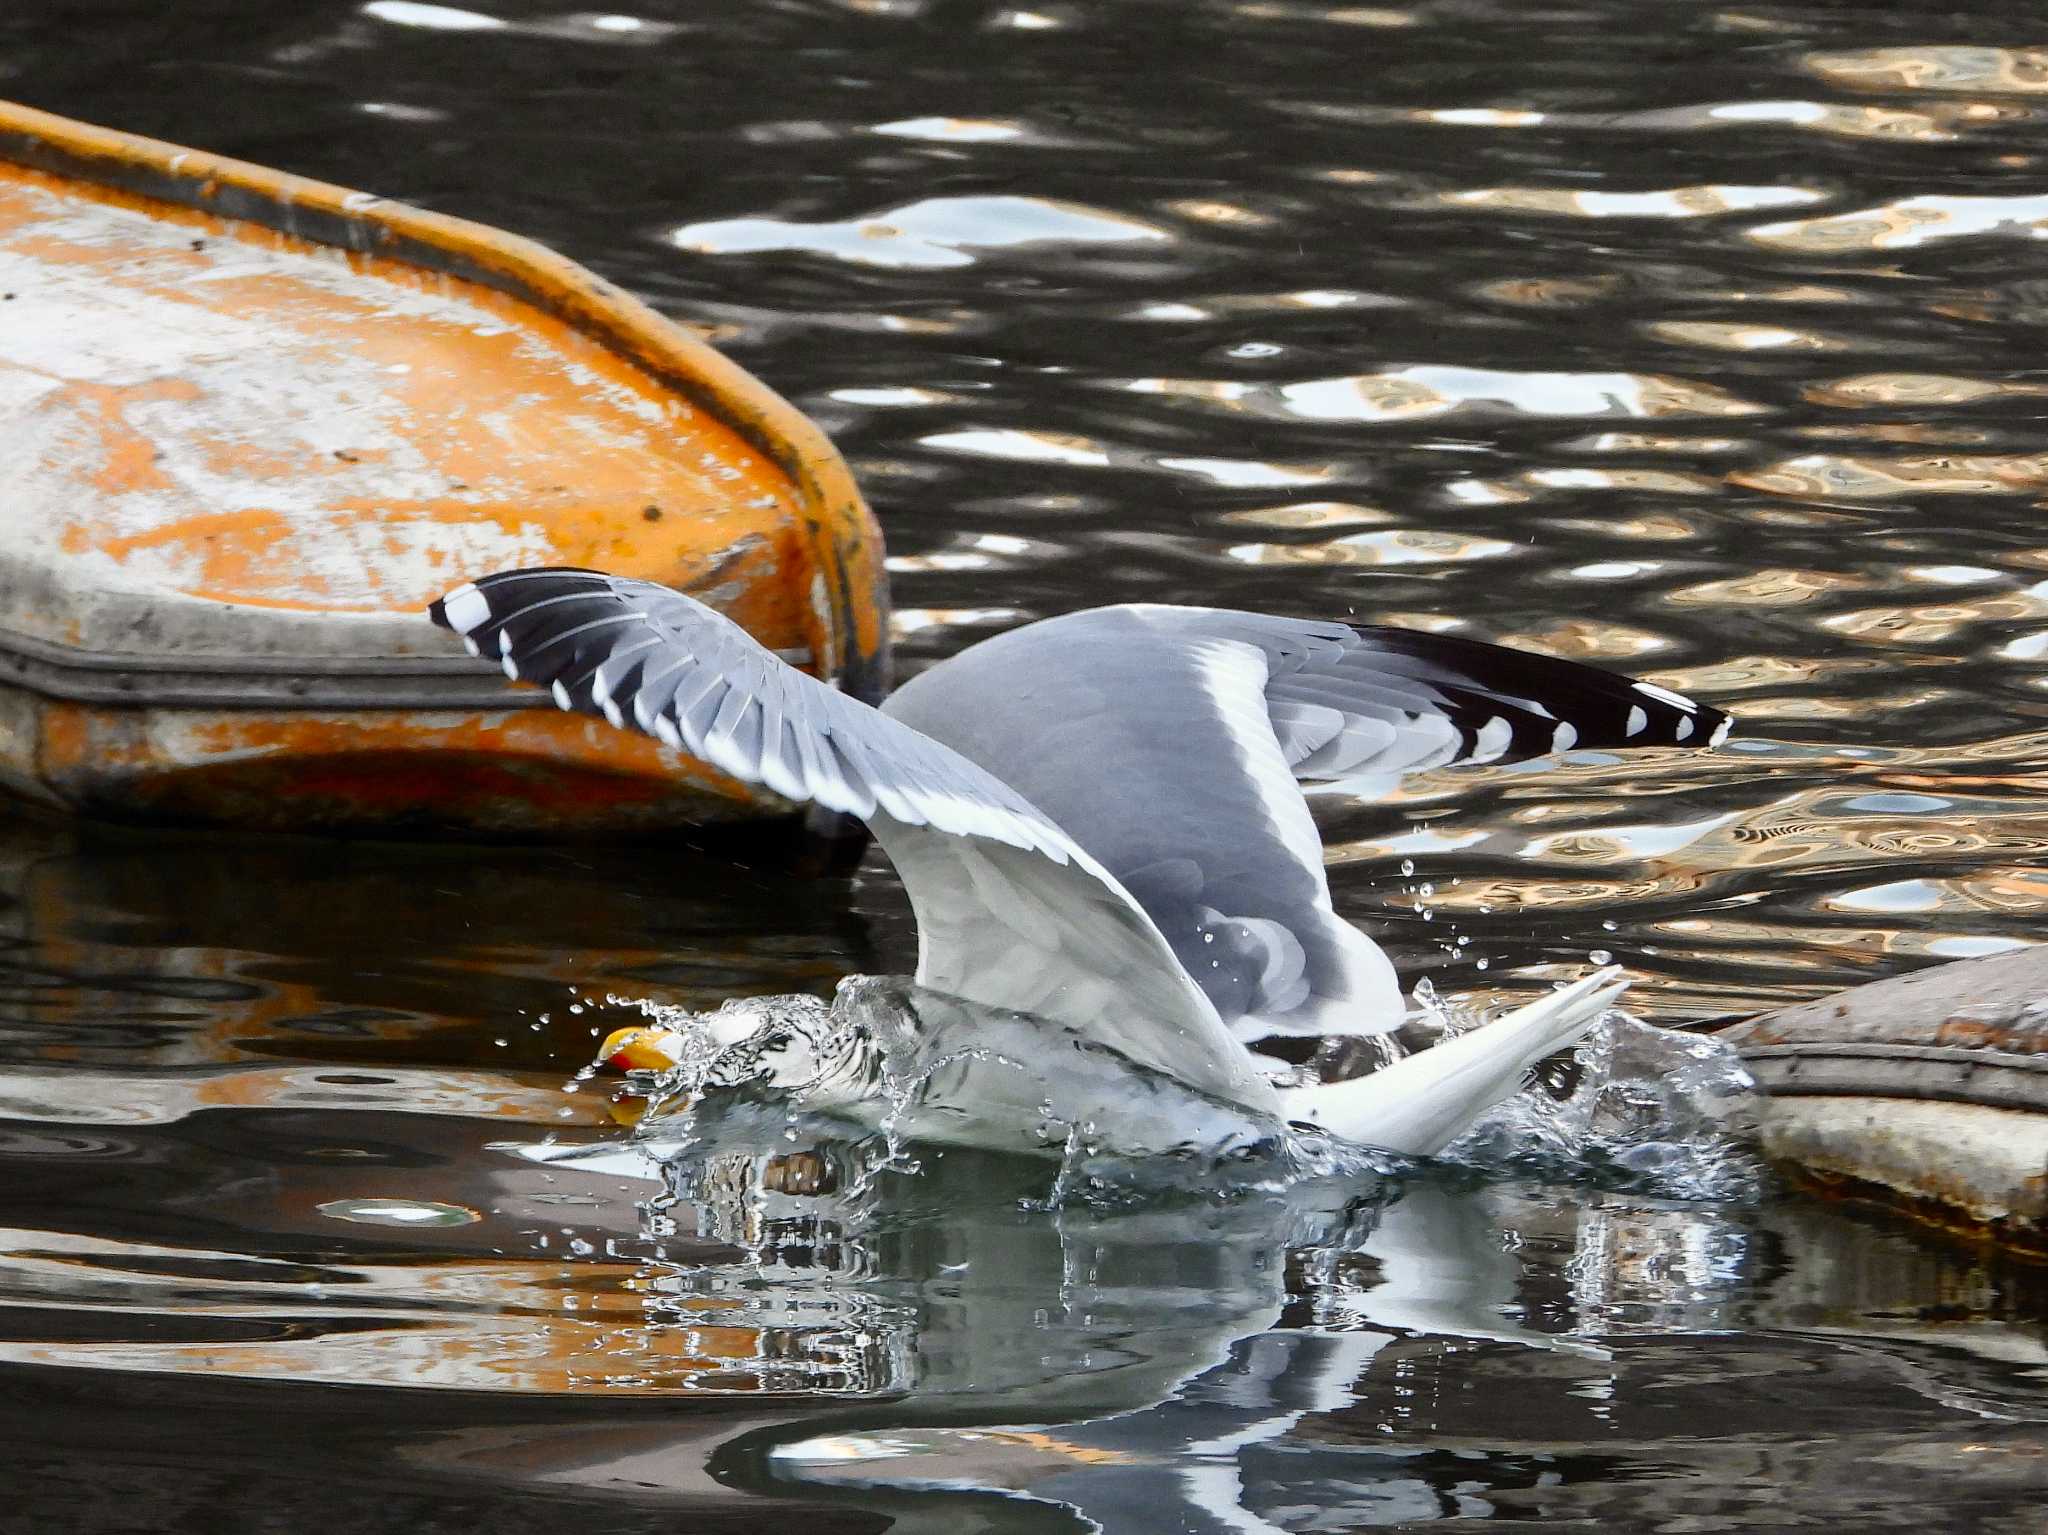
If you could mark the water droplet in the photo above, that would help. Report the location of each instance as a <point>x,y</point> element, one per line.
<point>1407,866</point>
<point>1481,964</point>
<point>1609,925</point>
<point>1600,957</point>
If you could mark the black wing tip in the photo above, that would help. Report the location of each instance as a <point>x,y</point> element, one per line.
<point>467,608</point>
<point>1578,704</point>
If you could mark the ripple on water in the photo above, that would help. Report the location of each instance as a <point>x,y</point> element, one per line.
<point>1393,546</point>
<point>1691,202</point>
<point>1911,222</point>
<point>575,26</point>
<point>934,232</point>
<point>1935,67</point>
<point>1814,475</point>
<point>1917,389</point>
<point>1430,390</point>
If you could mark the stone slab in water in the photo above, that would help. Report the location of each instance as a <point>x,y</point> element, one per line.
<point>1931,1088</point>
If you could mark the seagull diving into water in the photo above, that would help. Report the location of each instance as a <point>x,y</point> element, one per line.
<point>1099,819</point>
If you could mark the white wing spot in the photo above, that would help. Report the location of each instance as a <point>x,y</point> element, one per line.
<point>1494,737</point>
<point>1684,728</point>
<point>511,666</point>
<point>561,696</point>
<point>1721,732</point>
<point>1638,721</point>
<point>465,608</point>
<point>1565,737</point>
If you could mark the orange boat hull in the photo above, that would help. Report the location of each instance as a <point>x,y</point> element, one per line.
<point>255,424</point>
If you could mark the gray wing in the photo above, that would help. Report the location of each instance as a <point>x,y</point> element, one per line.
<point>1348,700</point>
<point>1153,741</point>
<point>1170,742</point>
<point>1011,911</point>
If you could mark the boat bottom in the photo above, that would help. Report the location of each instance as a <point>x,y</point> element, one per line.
<point>528,773</point>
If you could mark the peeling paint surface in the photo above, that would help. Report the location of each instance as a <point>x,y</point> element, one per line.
<point>1988,1166</point>
<point>241,456</point>
<point>212,411</point>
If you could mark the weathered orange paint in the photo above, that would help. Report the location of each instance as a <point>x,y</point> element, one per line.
<point>519,403</point>
<point>501,421</point>
<point>528,771</point>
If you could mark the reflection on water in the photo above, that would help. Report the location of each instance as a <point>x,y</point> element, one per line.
<point>938,232</point>
<point>234,1168</point>
<point>1703,340</point>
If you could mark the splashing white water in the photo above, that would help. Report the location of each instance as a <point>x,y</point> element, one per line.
<point>1634,1106</point>
<point>1655,1110</point>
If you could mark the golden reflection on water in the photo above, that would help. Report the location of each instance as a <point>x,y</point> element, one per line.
<point>1666,482</point>
<point>1935,67</point>
<point>1751,673</point>
<point>1743,336</point>
<point>1653,442</point>
<point>1400,546</point>
<point>1425,391</point>
<point>1768,588</point>
<point>1937,122</point>
<point>1592,639</point>
<point>1307,514</point>
<point>1927,624</point>
<point>1340,15</point>
<point>1909,223</point>
<point>1819,475</point>
<point>1549,292</point>
<point>1913,433</point>
<point>467,1325</point>
<point>1669,203</point>
<point>1935,125</point>
<point>1208,211</point>
<point>1652,527</point>
<point>1916,389</point>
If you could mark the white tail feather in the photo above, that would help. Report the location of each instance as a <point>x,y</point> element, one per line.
<point>1422,1103</point>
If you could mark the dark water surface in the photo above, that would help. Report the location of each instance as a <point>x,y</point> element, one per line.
<point>1703,340</point>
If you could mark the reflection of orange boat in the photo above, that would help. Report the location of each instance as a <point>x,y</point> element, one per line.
<point>254,423</point>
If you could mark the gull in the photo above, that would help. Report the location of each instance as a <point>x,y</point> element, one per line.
<point>1098,818</point>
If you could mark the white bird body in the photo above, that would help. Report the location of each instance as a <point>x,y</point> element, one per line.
<point>1098,818</point>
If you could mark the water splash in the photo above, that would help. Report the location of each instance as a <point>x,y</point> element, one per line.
<point>886,1066</point>
<point>892,1064</point>
<point>1636,1107</point>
